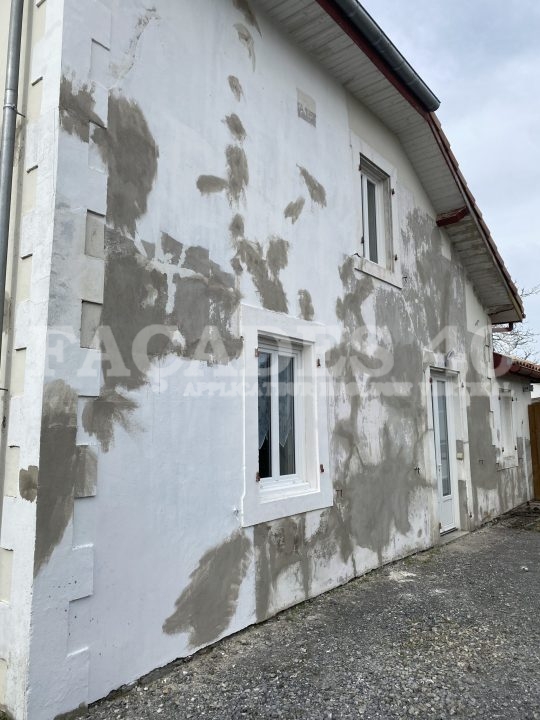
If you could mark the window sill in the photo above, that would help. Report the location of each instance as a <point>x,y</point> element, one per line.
<point>277,503</point>
<point>274,490</point>
<point>377,271</point>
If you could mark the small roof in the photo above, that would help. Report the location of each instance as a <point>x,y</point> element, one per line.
<point>505,365</point>
<point>343,38</point>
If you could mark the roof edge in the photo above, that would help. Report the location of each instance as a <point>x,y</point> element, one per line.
<point>505,365</point>
<point>382,44</point>
<point>366,33</point>
<point>358,24</point>
<point>453,165</point>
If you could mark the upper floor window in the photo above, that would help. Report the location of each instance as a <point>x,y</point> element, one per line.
<point>508,433</point>
<point>377,243</point>
<point>376,213</point>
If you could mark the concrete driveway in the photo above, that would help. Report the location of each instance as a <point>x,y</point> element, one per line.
<point>453,632</point>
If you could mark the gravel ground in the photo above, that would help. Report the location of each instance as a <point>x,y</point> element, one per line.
<point>453,632</point>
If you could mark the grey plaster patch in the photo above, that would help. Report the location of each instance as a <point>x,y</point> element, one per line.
<point>315,189</point>
<point>279,547</point>
<point>136,292</point>
<point>294,209</point>
<point>264,267</point>
<point>149,249</point>
<point>441,280</point>
<point>374,499</point>
<point>171,248</point>
<point>237,176</point>
<point>236,228</point>
<point>58,468</point>
<point>86,479</point>
<point>282,547</point>
<point>236,87</point>
<point>197,259</point>
<point>100,416</point>
<point>247,12</point>
<point>207,605</point>
<point>209,184</point>
<point>131,154</point>
<point>28,483</point>
<point>238,173</point>
<point>235,126</point>
<point>246,38</point>
<point>136,297</point>
<point>209,299</point>
<point>77,109</point>
<point>463,505</point>
<point>307,311</point>
<point>482,452</point>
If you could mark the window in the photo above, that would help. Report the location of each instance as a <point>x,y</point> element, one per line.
<point>508,436</point>
<point>376,213</point>
<point>280,410</point>
<point>377,242</point>
<point>285,414</point>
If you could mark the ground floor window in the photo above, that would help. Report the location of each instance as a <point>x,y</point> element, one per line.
<point>286,427</point>
<point>279,413</point>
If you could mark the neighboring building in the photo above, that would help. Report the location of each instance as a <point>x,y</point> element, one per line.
<point>216,202</point>
<point>513,374</point>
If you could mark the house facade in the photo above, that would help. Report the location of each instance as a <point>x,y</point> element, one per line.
<point>247,351</point>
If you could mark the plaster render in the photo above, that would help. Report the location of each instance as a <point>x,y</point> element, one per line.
<point>171,202</point>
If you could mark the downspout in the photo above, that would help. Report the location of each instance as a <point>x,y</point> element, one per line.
<point>7,154</point>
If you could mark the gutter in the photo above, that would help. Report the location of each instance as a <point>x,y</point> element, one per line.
<point>352,13</point>
<point>358,24</point>
<point>7,154</point>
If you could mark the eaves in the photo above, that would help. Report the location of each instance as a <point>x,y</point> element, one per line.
<point>342,38</point>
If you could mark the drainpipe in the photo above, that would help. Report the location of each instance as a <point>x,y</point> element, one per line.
<point>7,154</point>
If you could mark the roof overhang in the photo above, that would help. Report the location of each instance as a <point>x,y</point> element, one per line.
<point>505,365</point>
<point>339,36</point>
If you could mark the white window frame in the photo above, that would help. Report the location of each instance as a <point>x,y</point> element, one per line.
<point>508,440</point>
<point>371,175</point>
<point>368,165</point>
<point>279,347</point>
<point>310,488</point>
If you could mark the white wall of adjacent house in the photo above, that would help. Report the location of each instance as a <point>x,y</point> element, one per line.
<point>152,561</point>
<point>506,400</point>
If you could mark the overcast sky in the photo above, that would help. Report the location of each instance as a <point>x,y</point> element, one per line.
<point>482,60</point>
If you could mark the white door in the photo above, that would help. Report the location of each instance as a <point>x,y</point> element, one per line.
<point>445,481</point>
